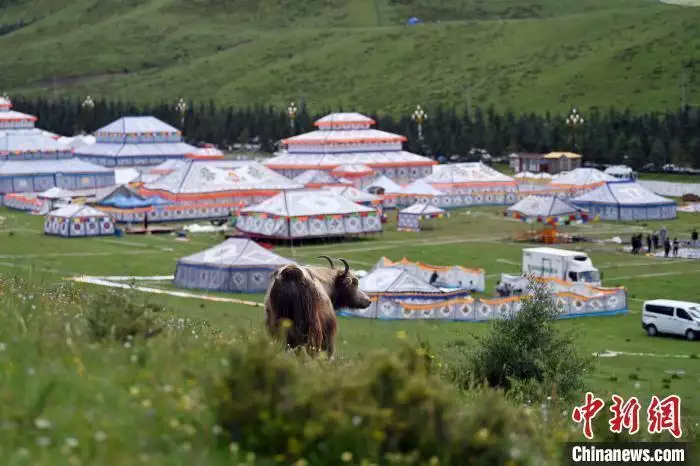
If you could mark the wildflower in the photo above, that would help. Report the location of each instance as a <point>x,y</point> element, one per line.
<point>346,457</point>
<point>146,403</point>
<point>174,423</point>
<point>3,346</point>
<point>482,435</point>
<point>637,385</point>
<point>187,446</point>
<point>434,461</point>
<point>356,421</point>
<point>233,448</point>
<point>31,371</point>
<point>301,462</point>
<point>217,430</point>
<point>401,335</point>
<point>22,452</point>
<point>43,441</point>
<point>100,436</point>
<point>41,423</point>
<point>167,388</point>
<point>134,390</point>
<point>189,430</point>
<point>250,457</point>
<point>515,453</point>
<point>186,402</point>
<point>71,442</point>
<point>127,345</point>
<point>134,359</point>
<point>33,307</point>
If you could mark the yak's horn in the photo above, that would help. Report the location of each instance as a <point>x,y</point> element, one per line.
<point>347,267</point>
<point>330,261</point>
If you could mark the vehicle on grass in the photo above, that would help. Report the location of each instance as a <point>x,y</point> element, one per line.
<point>665,316</point>
<point>570,266</point>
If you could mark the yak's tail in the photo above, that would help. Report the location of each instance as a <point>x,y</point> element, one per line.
<point>295,300</point>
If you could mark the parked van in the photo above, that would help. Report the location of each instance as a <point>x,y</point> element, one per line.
<point>671,317</point>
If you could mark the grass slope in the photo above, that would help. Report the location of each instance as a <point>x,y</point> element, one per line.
<point>464,239</point>
<point>527,55</point>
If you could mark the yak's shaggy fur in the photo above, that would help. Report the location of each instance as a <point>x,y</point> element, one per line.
<point>308,297</point>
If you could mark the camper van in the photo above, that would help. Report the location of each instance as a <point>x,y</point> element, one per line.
<point>570,266</point>
<point>672,318</point>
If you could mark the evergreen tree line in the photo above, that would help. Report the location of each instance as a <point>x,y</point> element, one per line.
<point>606,137</point>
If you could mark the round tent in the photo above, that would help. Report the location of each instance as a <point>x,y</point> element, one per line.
<point>307,214</point>
<point>78,220</point>
<point>357,173</point>
<point>355,195</point>
<point>319,179</point>
<point>581,180</point>
<point>206,152</point>
<point>422,192</point>
<point>626,200</point>
<point>237,265</point>
<point>409,219</point>
<point>454,277</point>
<point>550,210</point>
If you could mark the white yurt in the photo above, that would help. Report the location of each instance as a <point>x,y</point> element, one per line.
<point>237,265</point>
<point>78,220</point>
<point>626,200</point>
<point>409,219</point>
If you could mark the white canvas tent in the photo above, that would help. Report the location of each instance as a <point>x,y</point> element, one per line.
<point>533,207</point>
<point>459,178</point>
<point>355,195</point>
<point>237,265</point>
<point>307,214</point>
<point>626,200</point>
<point>582,178</point>
<point>394,280</point>
<point>78,220</point>
<point>409,219</point>
<point>455,277</point>
<point>420,188</point>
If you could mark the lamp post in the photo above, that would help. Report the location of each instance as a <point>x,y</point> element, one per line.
<point>292,112</point>
<point>574,120</point>
<point>181,107</point>
<point>87,106</point>
<point>419,116</point>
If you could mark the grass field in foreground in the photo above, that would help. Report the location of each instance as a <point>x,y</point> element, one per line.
<point>472,238</point>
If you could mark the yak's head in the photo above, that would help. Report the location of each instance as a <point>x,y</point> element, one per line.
<point>345,291</point>
<point>289,272</point>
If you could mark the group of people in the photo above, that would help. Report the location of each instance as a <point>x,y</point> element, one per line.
<point>505,290</point>
<point>659,240</point>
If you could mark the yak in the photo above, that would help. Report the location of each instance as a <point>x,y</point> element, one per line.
<point>308,297</point>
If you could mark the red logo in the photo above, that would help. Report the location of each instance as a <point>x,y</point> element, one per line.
<point>587,412</point>
<point>665,415</point>
<point>625,415</point>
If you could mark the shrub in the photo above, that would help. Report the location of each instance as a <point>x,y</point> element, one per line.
<point>529,354</point>
<point>385,408</point>
<point>118,315</point>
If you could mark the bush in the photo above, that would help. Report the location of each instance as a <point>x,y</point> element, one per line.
<point>528,355</point>
<point>118,315</point>
<point>386,408</point>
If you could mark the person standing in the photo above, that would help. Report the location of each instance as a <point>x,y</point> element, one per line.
<point>675,247</point>
<point>648,242</point>
<point>655,240</point>
<point>667,247</point>
<point>694,237</point>
<point>663,235</point>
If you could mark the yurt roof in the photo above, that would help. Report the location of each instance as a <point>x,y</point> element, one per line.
<point>421,209</point>
<point>5,102</point>
<point>120,149</point>
<point>57,193</point>
<point>201,177</point>
<point>625,193</point>
<point>543,206</point>
<point>307,202</point>
<point>78,210</point>
<point>345,136</point>
<point>31,167</point>
<point>12,115</point>
<point>353,194</point>
<point>583,177</point>
<point>30,141</point>
<point>394,280</point>
<point>353,168</point>
<point>316,177</point>
<point>421,188</point>
<point>341,119</point>
<point>465,173</point>
<point>206,152</point>
<point>390,186</point>
<point>373,159</point>
<point>137,124</point>
<point>234,252</point>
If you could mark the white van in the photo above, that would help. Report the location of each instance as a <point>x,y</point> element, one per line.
<point>671,317</point>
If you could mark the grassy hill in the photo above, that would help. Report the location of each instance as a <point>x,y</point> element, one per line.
<point>533,55</point>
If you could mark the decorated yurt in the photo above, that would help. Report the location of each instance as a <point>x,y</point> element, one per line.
<point>390,191</point>
<point>319,179</point>
<point>359,174</point>
<point>411,218</point>
<point>37,176</point>
<point>135,141</point>
<point>206,152</point>
<point>355,195</point>
<point>472,183</point>
<point>308,214</point>
<point>550,210</point>
<point>626,200</point>
<point>349,139</point>
<point>237,265</point>
<point>420,192</point>
<point>580,180</point>
<point>78,220</point>
<point>454,276</point>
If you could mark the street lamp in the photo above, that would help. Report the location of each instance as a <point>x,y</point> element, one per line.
<point>574,120</point>
<point>88,103</point>
<point>86,106</point>
<point>181,107</point>
<point>419,116</point>
<point>292,112</point>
